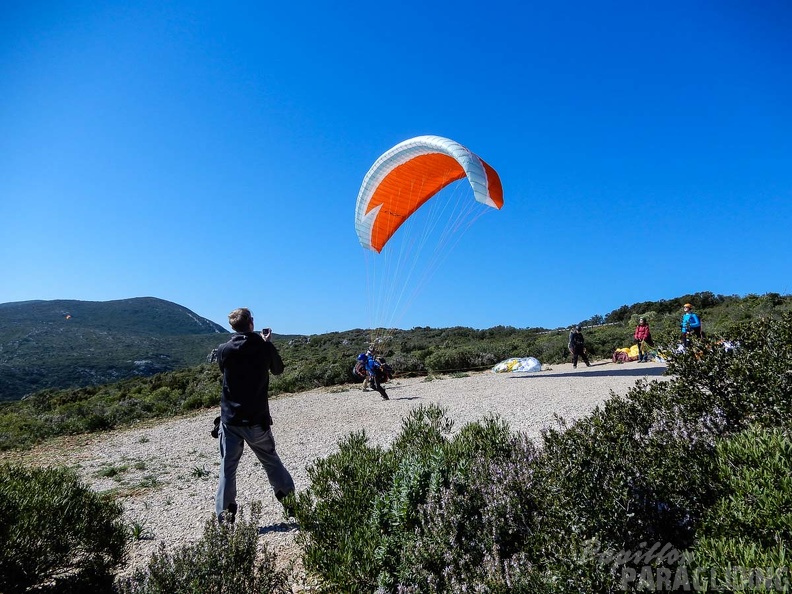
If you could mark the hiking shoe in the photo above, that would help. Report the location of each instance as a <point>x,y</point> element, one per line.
<point>228,517</point>
<point>287,501</point>
<point>385,397</point>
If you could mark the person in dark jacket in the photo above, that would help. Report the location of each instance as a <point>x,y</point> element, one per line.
<point>246,362</point>
<point>577,347</point>
<point>643,338</point>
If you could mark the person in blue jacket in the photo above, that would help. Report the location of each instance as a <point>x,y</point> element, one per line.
<point>374,369</point>
<point>691,324</point>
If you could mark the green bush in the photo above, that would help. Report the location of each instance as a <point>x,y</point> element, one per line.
<point>363,510</point>
<point>483,511</point>
<point>471,531</point>
<point>639,469</point>
<point>407,364</point>
<point>448,360</point>
<point>338,538</point>
<point>627,475</point>
<point>751,523</point>
<point>445,360</point>
<point>56,535</point>
<point>733,388</point>
<point>224,560</point>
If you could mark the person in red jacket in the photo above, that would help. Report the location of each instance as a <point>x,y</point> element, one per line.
<point>643,336</point>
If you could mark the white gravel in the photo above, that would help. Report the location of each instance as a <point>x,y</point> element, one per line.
<point>165,473</point>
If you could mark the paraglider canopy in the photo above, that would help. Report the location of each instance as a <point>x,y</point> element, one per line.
<point>518,364</point>
<point>408,175</point>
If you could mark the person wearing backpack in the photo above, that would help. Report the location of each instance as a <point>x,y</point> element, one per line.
<point>643,337</point>
<point>577,347</point>
<point>374,370</point>
<point>691,324</point>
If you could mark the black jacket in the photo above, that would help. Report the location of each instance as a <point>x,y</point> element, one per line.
<point>246,361</point>
<point>576,340</point>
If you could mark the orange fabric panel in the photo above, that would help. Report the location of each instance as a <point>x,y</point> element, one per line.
<point>406,188</point>
<point>494,186</point>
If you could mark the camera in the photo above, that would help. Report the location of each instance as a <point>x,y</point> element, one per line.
<point>216,430</point>
<point>266,331</point>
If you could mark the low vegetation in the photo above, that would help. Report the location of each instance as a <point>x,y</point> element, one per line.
<point>696,467</point>
<point>56,535</point>
<point>51,413</point>
<point>223,560</point>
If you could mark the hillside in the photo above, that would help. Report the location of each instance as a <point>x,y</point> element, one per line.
<point>103,343</point>
<point>69,343</point>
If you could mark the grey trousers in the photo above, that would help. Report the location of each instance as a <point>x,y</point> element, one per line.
<point>232,442</point>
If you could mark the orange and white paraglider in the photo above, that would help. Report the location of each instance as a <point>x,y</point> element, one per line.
<point>408,175</point>
<point>411,189</point>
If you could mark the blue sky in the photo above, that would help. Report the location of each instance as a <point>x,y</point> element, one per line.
<point>210,153</point>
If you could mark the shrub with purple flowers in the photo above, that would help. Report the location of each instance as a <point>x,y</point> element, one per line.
<point>487,511</point>
<point>364,508</point>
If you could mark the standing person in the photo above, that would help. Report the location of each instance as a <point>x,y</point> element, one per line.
<point>246,362</point>
<point>691,324</point>
<point>643,336</point>
<point>374,369</point>
<point>577,347</point>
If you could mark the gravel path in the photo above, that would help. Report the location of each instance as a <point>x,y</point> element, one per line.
<point>166,472</point>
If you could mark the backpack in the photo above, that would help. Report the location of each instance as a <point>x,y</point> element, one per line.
<point>621,357</point>
<point>359,370</point>
<point>384,373</point>
<point>694,321</point>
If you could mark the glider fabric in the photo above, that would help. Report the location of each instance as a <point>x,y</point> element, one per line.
<point>408,175</point>
<point>518,364</point>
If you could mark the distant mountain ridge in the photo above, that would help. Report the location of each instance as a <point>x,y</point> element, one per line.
<point>65,343</point>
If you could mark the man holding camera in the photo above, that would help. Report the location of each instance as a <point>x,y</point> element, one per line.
<point>246,362</point>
